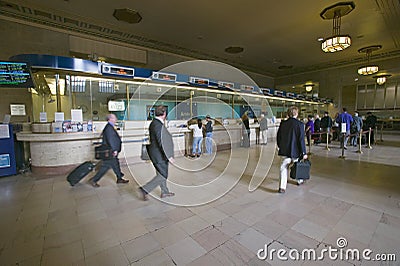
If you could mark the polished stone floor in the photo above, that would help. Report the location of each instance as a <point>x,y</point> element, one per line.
<point>47,222</point>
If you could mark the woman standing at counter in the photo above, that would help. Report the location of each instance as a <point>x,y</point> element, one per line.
<point>197,138</point>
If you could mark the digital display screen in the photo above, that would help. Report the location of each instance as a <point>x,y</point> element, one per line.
<point>164,76</point>
<point>15,75</point>
<point>247,88</point>
<point>226,84</point>
<point>118,71</point>
<point>199,81</point>
<point>266,91</point>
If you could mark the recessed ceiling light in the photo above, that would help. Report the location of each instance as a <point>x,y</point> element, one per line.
<point>320,39</point>
<point>127,15</point>
<point>283,67</point>
<point>234,49</point>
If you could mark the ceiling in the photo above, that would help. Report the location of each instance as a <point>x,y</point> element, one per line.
<point>279,38</point>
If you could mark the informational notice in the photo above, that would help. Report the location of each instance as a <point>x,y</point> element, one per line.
<point>58,116</point>
<point>76,115</point>
<point>17,109</point>
<point>43,117</point>
<point>4,132</point>
<point>5,160</point>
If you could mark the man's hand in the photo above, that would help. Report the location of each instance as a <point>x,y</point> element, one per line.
<point>305,156</point>
<point>115,153</point>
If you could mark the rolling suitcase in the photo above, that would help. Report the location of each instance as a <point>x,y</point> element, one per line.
<point>80,172</point>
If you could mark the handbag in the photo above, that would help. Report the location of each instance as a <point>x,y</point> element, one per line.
<point>103,152</point>
<point>301,170</point>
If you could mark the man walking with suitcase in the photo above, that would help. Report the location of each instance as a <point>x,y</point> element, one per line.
<point>113,140</point>
<point>291,144</point>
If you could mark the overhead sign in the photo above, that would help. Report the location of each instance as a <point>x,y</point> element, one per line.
<point>247,88</point>
<point>229,85</point>
<point>199,81</point>
<point>118,71</point>
<point>163,76</point>
<point>15,74</point>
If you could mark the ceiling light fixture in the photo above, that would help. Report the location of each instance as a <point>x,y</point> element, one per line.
<point>368,69</point>
<point>381,79</point>
<point>336,42</point>
<point>309,87</point>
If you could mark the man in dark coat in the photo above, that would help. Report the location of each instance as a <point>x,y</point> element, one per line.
<point>161,152</point>
<point>370,123</point>
<point>291,144</point>
<point>113,140</point>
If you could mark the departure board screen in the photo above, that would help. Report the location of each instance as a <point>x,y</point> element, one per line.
<point>15,75</point>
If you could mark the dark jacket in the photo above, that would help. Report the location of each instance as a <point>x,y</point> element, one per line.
<point>290,138</point>
<point>161,146</point>
<point>209,127</point>
<point>370,122</point>
<point>326,122</point>
<point>111,138</point>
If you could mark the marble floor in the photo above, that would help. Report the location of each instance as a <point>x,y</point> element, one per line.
<point>355,200</point>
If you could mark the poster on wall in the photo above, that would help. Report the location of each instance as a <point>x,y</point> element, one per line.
<point>17,109</point>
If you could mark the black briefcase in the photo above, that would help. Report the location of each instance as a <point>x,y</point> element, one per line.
<point>103,152</point>
<point>301,170</point>
<point>144,154</point>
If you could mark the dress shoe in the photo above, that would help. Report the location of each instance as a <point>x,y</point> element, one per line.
<point>300,181</point>
<point>281,190</point>
<point>94,184</point>
<point>143,194</point>
<point>122,181</point>
<point>169,194</point>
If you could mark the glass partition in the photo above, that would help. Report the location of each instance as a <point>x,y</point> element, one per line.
<point>134,100</point>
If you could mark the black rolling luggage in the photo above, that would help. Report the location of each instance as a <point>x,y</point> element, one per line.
<point>80,172</point>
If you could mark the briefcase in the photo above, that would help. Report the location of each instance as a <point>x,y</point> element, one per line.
<point>301,170</point>
<point>103,152</point>
<point>144,154</point>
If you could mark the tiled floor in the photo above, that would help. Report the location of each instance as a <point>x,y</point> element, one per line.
<point>47,222</point>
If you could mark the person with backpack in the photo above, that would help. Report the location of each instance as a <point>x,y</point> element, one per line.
<point>355,129</point>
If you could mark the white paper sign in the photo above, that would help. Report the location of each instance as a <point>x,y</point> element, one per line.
<point>43,117</point>
<point>17,109</point>
<point>58,117</point>
<point>76,115</point>
<point>343,128</point>
<point>116,106</point>
<point>4,132</point>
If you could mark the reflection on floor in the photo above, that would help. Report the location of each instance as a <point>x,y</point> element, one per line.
<point>47,222</point>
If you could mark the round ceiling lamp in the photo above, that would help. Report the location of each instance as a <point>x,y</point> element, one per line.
<point>381,79</point>
<point>368,69</point>
<point>309,87</point>
<point>336,42</point>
